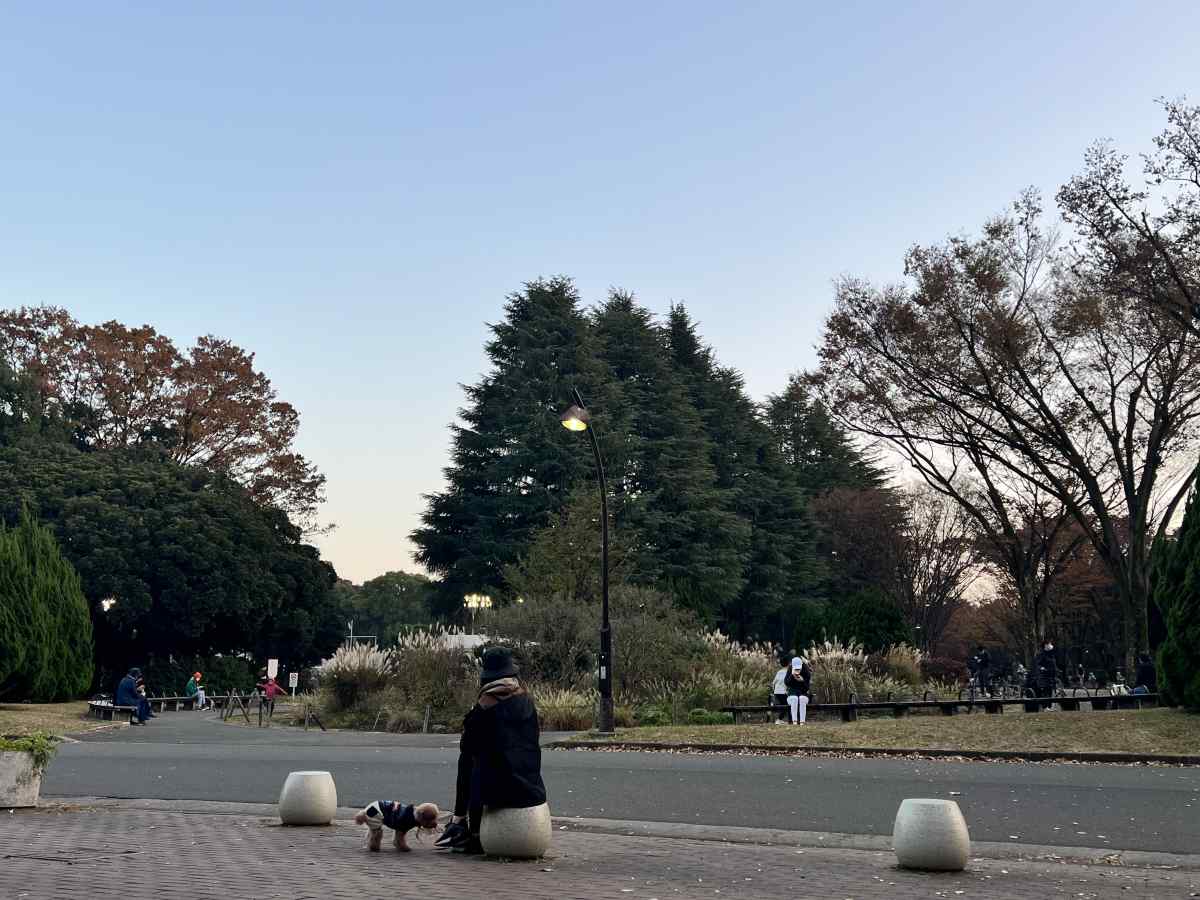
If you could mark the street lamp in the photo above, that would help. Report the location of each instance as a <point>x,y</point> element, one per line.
<point>475,602</point>
<point>576,418</point>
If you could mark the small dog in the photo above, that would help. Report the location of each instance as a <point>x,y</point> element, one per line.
<point>401,818</point>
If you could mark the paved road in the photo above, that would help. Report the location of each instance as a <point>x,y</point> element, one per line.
<point>195,756</point>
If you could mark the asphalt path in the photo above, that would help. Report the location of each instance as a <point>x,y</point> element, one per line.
<point>194,756</point>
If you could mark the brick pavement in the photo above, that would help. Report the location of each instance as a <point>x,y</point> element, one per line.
<point>99,852</point>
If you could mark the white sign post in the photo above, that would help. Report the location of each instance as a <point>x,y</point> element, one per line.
<point>272,668</point>
<point>293,680</point>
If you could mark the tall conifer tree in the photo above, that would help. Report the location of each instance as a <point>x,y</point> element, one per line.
<point>1177,595</point>
<point>765,493</point>
<point>512,464</point>
<point>689,540</point>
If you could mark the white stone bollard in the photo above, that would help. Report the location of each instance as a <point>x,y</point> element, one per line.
<point>308,798</point>
<point>516,833</point>
<point>19,781</point>
<point>931,834</point>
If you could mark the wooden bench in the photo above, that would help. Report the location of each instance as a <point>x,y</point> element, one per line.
<point>106,710</point>
<point>991,705</point>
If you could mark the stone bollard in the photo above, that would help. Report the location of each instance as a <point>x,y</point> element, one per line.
<point>931,834</point>
<point>308,798</point>
<point>516,833</point>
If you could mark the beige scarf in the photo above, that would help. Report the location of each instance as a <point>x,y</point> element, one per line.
<point>501,688</point>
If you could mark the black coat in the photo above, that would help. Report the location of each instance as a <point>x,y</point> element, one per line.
<point>127,694</point>
<point>798,687</point>
<point>1045,667</point>
<point>1147,677</point>
<point>504,741</point>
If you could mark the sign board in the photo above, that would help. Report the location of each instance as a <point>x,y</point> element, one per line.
<point>293,679</point>
<point>272,668</point>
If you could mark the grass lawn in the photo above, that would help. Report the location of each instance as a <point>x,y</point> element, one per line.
<point>1157,731</point>
<point>56,718</point>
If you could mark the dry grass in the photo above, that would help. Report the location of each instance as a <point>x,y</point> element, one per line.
<point>56,718</point>
<point>1154,731</point>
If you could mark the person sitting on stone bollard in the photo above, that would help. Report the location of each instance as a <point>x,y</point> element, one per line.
<point>500,755</point>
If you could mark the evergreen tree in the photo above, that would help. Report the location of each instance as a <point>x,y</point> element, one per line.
<point>563,559</point>
<point>45,628</point>
<point>1177,594</point>
<point>688,539</point>
<point>174,559</point>
<point>766,496</point>
<point>821,453</point>
<point>512,463</point>
<point>870,618</point>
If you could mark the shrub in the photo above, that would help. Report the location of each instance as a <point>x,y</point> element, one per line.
<point>428,669</point>
<point>702,716</point>
<point>654,715</point>
<point>40,745</point>
<point>942,689</point>
<point>354,673</point>
<point>871,619</point>
<point>944,668</point>
<point>903,663</point>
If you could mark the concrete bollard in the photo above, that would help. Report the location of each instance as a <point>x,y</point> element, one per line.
<point>308,798</point>
<point>931,834</point>
<point>516,833</point>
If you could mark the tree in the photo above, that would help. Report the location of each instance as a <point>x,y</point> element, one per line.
<point>1177,594</point>
<point>45,629</point>
<point>121,387</point>
<point>781,572</point>
<point>996,356</point>
<point>688,539</point>
<point>563,559</point>
<point>812,443</point>
<point>512,464</point>
<point>937,560</point>
<point>870,618</point>
<point>174,559</point>
<point>1141,249</point>
<point>387,603</point>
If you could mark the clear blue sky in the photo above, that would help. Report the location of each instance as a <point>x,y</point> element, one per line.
<point>349,190</point>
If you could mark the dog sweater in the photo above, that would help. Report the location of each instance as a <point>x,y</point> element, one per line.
<point>392,813</point>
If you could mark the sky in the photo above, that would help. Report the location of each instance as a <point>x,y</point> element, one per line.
<point>350,190</point>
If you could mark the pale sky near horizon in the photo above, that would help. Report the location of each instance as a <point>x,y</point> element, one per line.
<point>350,190</point>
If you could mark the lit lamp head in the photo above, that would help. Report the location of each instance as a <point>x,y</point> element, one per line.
<point>575,419</point>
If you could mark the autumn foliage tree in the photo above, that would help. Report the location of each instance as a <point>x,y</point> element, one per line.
<point>120,386</point>
<point>1001,354</point>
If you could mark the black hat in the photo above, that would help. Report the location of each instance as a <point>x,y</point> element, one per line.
<point>135,672</point>
<point>497,664</point>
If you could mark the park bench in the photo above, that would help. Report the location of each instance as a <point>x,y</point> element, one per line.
<point>950,707</point>
<point>106,710</point>
<point>176,703</point>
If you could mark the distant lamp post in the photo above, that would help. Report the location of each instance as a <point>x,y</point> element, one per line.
<point>576,418</point>
<point>475,602</point>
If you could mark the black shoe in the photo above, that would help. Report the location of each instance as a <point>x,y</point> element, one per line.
<point>470,846</point>
<point>454,833</point>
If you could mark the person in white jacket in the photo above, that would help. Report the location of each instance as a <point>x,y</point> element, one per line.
<point>779,695</point>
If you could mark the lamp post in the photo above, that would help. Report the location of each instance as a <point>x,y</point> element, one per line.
<point>576,418</point>
<point>475,602</point>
